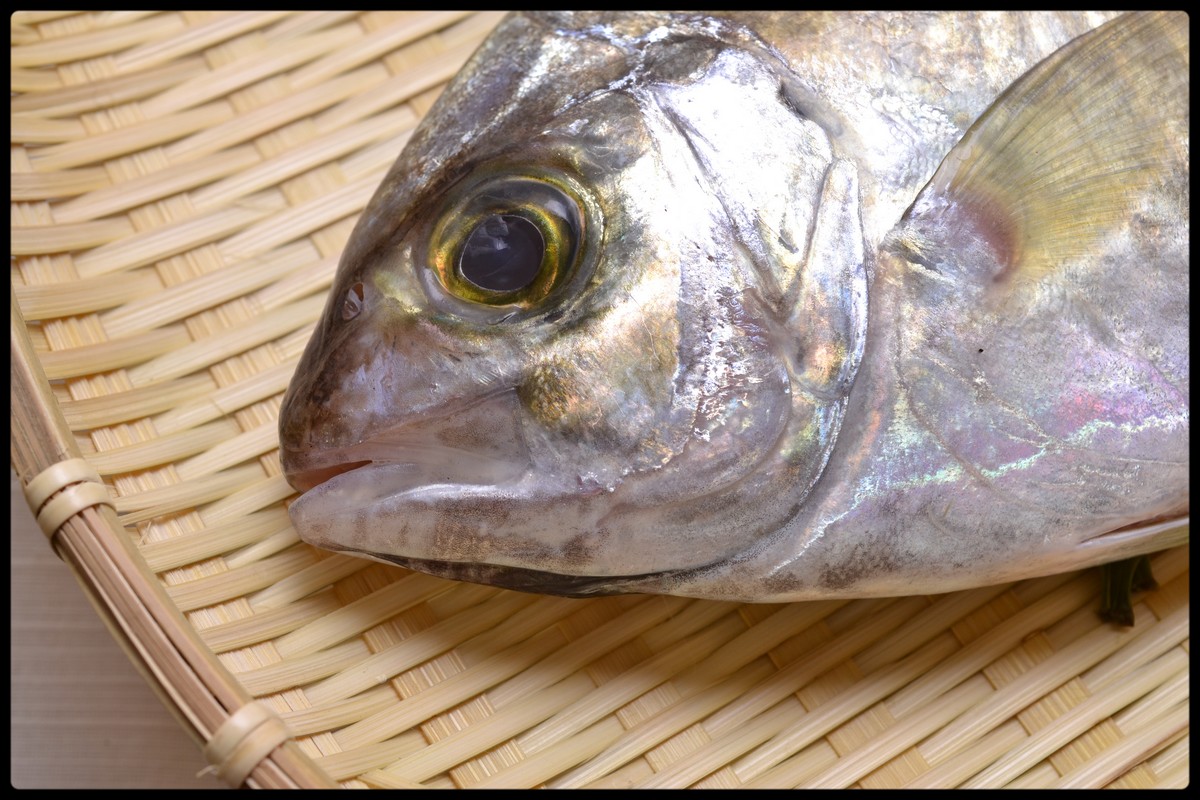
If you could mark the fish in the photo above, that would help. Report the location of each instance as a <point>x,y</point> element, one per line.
<point>766,307</point>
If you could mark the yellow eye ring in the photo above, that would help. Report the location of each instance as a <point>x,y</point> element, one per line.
<point>507,241</point>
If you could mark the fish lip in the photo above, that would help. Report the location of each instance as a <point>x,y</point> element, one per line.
<point>308,479</point>
<point>430,446</point>
<point>368,482</point>
<point>519,579</point>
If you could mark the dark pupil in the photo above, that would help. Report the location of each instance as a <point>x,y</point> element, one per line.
<point>502,254</point>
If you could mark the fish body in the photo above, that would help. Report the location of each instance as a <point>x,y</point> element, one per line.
<point>767,307</point>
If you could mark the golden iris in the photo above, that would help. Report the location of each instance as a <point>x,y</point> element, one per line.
<point>507,241</point>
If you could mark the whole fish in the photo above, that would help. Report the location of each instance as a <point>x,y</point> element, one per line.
<point>767,307</point>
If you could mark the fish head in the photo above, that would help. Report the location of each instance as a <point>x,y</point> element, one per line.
<point>597,324</point>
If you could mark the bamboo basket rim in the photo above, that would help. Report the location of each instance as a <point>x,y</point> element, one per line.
<point>182,183</point>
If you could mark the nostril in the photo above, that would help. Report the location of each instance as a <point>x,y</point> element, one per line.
<point>307,479</point>
<point>353,304</point>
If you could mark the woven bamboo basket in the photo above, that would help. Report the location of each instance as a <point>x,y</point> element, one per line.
<point>182,186</point>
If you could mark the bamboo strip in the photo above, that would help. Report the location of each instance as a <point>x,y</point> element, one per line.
<point>305,669</point>
<point>46,301</point>
<point>35,17</point>
<point>161,449</point>
<point>1137,748</point>
<point>237,582</point>
<point>1147,710</point>
<point>628,686</point>
<point>983,651</point>
<point>377,158</point>
<point>351,763</point>
<point>95,43</point>
<point>272,59</point>
<point>179,497</point>
<point>161,53</point>
<point>266,625</point>
<point>313,276</point>
<point>328,716</point>
<point>445,753</point>
<point>315,153</point>
<point>225,400</point>
<point>658,728</point>
<point>812,760</point>
<point>155,186</point>
<point>827,716</point>
<point>449,692</point>
<point>787,621</point>
<point>188,358</point>
<point>292,345</point>
<point>230,130</point>
<point>32,80</point>
<point>1169,632</point>
<point>545,613</point>
<point>285,226</point>
<point>375,45</point>
<point>228,452</point>
<point>243,501</point>
<point>108,409</point>
<point>801,672</point>
<point>387,94</point>
<point>172,498</point>
<point>277,542</point>
<point>48,186</point>
<point>204,291</point>
<point>1077,721</point>
<point>945,612</point>
<point>65,238</point>
<point>21,34</point>
<point>460,598</point>
<point>308,22</point>
<point>538,768</point>
<point>1174,757</point>
<point>172,239</point>
<point>598,642</point>
<point>116,354</point>
<point>900,737</point>
<point>96,20</point>
<point>719,752</point>
<point>138,136</point>
<point>214,541</point>
<point>106,92</point>
<point>957,769</point>
<point>1050,674</point>
<point>361,614</point>
<point>422,646</point>
<point>28,129</point>
<point>302,583</point>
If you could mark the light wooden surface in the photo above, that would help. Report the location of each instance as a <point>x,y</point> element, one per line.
<point>82,717</point>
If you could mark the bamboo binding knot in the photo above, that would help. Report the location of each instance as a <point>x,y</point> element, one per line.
<point>244,739</point>
<point>61,491</point>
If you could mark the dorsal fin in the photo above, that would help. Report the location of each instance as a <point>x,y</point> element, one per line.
<point>1059,160</point>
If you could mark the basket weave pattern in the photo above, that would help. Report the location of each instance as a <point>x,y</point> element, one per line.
<point>182,186</point>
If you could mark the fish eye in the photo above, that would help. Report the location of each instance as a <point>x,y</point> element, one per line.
<point>508,240</point>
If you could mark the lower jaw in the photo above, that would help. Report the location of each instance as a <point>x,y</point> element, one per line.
<point>518,578</point>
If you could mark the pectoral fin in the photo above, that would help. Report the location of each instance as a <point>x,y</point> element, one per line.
<point>1060,160</point>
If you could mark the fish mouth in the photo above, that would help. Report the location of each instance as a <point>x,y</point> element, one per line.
<point>307,479</point>
<point>477,443</point>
